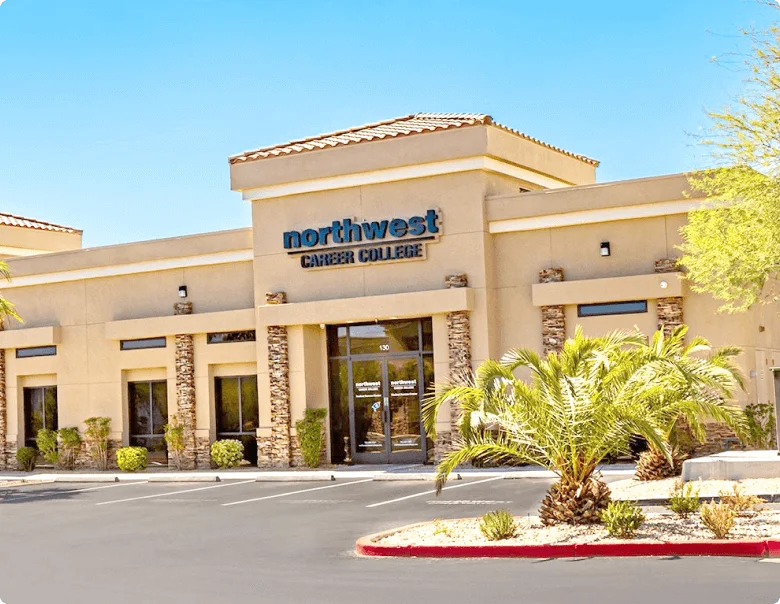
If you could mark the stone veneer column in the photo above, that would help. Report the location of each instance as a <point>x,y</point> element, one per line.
<point>553,317</point>
<point>459,352</point>
<point>185,389</point>
<point>276,450</point>
<point>668,310</point>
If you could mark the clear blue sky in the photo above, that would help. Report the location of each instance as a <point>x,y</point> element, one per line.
<point>117,116</point>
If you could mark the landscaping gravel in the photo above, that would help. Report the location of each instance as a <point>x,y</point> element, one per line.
<point>658,489</point>
<point>658,528</point>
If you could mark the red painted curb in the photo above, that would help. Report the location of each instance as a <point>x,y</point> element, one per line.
<point>367,546</point>
<point>773,547</point>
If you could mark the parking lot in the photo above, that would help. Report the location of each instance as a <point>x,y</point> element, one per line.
<point>293,542</point>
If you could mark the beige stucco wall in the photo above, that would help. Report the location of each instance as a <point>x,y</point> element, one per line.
<point>89,370</point>
<point>16,241</point>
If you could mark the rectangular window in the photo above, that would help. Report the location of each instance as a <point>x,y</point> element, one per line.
<point>40,411</point>
<point>36,351</point>
<point>227,337</point>
<point>237,411</point>
<point>612,308</point>
<point>142,343</point>
<point>148,402</point>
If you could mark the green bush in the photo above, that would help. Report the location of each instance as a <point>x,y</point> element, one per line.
<point>25,459</point>
<point>684,499</point>
<point>96,435</point>
<point>70,446</point>
<point>498,525</point>
<point>622,518</point>
<point>760,419</point>
<point>311,436</point>
<point>227,453</point>
<point>47,444</point>
<point>174,439</point>
<point>718,518</point>
<point>132,459</point>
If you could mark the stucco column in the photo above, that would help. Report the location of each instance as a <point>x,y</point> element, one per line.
<point>185,389</point>
<point>3,414</point>
<point>669,310</point>
<point>553,317</point>
<point>459,355</point>
<point>276,450</point>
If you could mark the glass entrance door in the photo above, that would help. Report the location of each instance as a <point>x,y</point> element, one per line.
<point>386,409</point>
<point>379,373</point>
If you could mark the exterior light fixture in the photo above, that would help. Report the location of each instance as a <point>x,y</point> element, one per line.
<point>605,248</point>
<point>664,284</point>
<point>182,291</point>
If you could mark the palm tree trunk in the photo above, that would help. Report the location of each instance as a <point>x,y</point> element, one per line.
<point>572,502</point>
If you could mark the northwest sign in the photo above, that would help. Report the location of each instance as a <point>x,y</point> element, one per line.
<point>347,242</point>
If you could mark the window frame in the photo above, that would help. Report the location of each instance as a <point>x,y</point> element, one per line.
<point>211,338</point>
<point>31,440</point>
<point>218,403</point>
<point>29,352</point>
<point>611,313</point>
<point>123,343</point>
<point>130,413</point>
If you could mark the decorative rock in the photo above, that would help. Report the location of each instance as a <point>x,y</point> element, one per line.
<point>553,317</point>
<point>276,450</point>
<point>667,265</point>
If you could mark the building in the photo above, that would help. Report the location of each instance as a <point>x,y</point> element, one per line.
<point>380,259</point>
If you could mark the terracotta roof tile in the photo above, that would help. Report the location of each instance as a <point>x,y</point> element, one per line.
<point>407,125</point>
<point>30,223</point>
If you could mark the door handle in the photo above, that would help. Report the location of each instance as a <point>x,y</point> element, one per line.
<point>386,410</point>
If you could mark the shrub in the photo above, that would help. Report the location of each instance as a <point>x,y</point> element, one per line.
<point>227,453</point>
<point>684,499</point>
<point>47,444</point>
<point>25,458</point>
<point>70,446</point>
<point>96,435</point>
<point>498,525</point>
<point>311,436</point>
<point>132,459</point>
<point>760,419</point>
<point>441,529</point>
<point>718,518</point>
<point>622,518</point>
<point>174,439</point>
<point>742,503</point>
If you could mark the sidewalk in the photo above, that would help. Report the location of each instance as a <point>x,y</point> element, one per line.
<point>383,472</point>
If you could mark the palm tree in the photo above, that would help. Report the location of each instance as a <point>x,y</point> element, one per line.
<point>706,379</point>
<point>580,406</point>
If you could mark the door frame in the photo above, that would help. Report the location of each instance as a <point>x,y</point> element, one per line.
<point>388,456</point>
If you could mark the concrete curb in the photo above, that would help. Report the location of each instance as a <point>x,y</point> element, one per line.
<point>298,478</point>
<point>367,546</point>
<point>76,478</point>
<point>174,478</point>
<point>394,477</point>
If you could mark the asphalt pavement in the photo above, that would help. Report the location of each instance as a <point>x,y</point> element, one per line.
<point>288,543</point>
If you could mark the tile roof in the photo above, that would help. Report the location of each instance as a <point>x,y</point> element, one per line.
<point>406,125</point>
<point>30,223</point>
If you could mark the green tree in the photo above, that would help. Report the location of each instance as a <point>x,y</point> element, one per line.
<point>580,406</point>
<point>7,309</point>
<point>732,244</point>
<point>706,379</point>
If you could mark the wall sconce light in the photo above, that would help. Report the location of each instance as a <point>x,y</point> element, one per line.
<point>663,284</point>
<point>605,248</point>
<point>182,291</point>
<point>761,328</point>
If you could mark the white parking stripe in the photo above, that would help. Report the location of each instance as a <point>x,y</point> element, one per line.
<point>332,486</point>
<point>457,486</point>
<point>215,486</point>
<point>54,494</point>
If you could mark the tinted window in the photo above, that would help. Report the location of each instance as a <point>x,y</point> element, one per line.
<point>612,308</point>
<point>36,351</point>
<point>237,411</point>
<point>142,343</point>
<point>40,411</point>
<point>148,406</point>
<point>231,336</point>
